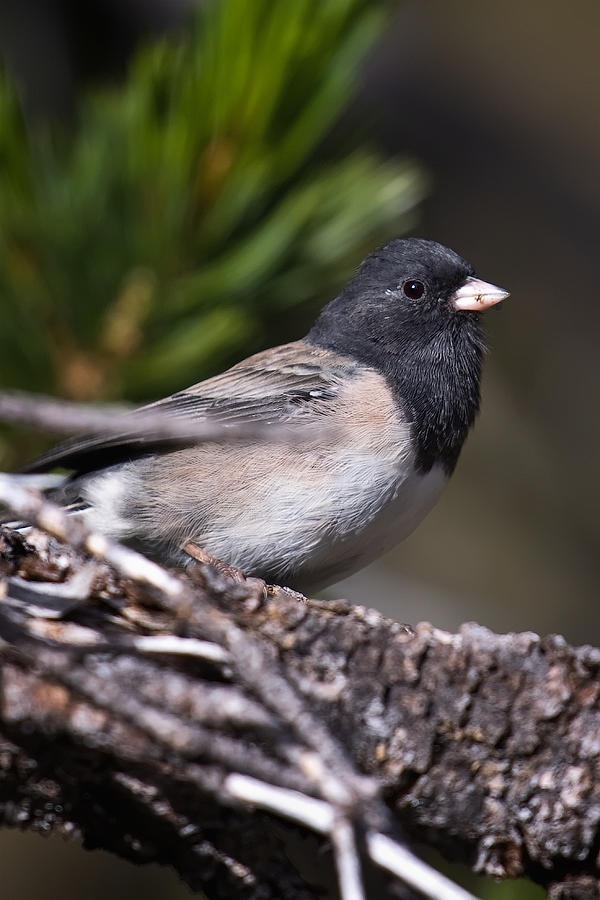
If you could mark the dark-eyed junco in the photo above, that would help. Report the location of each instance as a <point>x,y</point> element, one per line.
<point>394,362</point>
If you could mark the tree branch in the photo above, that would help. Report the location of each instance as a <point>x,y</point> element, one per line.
<point>152,714</point>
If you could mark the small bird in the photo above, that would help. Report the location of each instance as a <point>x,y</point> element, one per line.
<point>393,363</point>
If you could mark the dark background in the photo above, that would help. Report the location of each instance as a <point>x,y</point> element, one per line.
<point>500,103</point>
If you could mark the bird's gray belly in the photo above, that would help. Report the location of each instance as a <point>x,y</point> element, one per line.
<point>399,512</point>
<point>305,518</point>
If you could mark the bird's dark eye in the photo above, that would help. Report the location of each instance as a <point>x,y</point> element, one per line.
<point>413,289</point>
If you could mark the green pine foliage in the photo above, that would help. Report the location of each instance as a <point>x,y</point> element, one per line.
<point>192,217</point>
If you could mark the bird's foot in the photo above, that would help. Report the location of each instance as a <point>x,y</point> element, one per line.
<point>274,589</point>
<point>207,559</point>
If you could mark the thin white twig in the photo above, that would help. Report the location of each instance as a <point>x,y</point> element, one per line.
<point>43,481</point>
<point>320,817</point>
<point>186,646</point>
<point>413,871</point>
<point>343,840</point>
<point>77,587</point>
<point>317,815</point>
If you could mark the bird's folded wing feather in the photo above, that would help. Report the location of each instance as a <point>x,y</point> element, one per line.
<point>275,386</point>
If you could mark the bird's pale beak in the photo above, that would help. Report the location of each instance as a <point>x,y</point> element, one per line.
<point>475,294</point>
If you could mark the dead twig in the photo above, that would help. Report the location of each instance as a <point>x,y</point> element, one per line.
<point>64,417</point>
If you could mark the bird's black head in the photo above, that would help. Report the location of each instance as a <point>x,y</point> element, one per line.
<point>400,294</point>
<point>410,312</point>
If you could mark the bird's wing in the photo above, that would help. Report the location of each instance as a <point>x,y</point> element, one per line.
<point>275,386</point>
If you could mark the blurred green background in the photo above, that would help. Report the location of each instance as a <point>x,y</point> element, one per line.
<point>183,182</point>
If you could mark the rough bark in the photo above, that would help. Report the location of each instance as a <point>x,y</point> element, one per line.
<point>484,746</point>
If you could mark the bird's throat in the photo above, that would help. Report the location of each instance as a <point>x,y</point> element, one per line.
<point>438,382</point>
